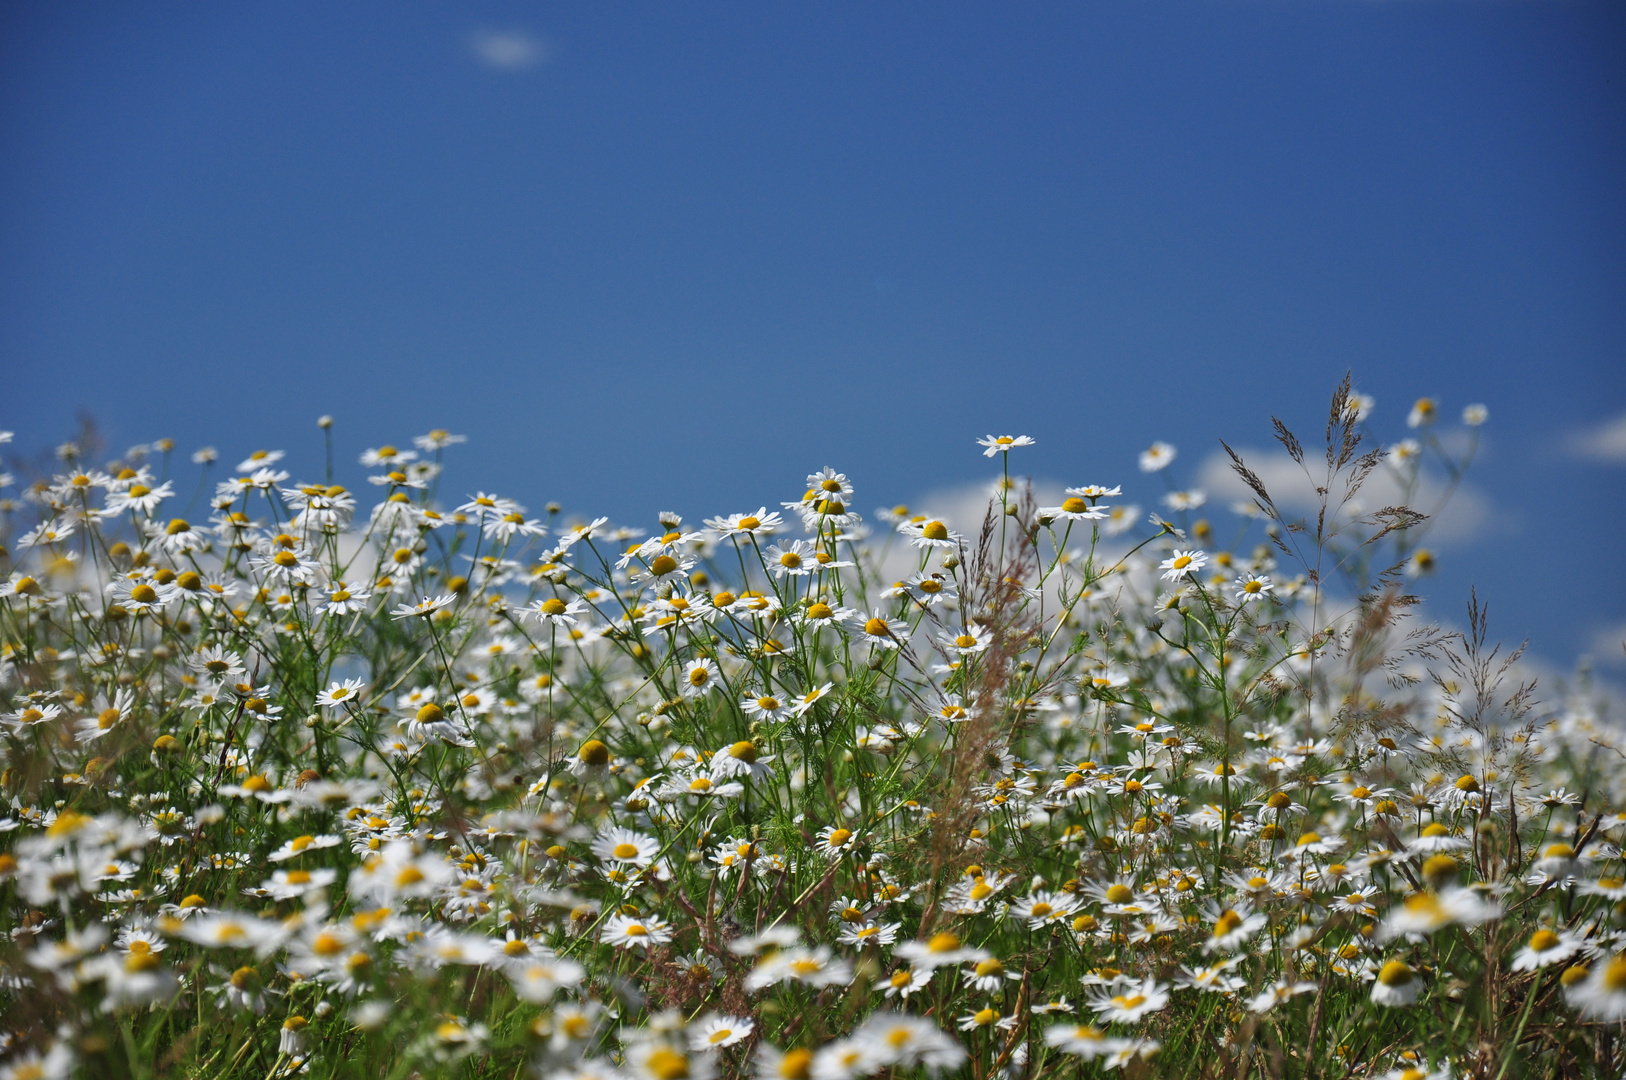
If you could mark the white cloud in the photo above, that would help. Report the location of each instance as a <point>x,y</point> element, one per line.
<point>1604,442</point>
<point>1608,646</point>
<point>1293,491</point>
<point>509,50</point>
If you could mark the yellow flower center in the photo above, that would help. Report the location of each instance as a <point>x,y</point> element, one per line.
<point>666,1064</point>
<point>796,1065</point>
<point>1543,940</point>
<point>934,530</point>
<point>1395,973</point>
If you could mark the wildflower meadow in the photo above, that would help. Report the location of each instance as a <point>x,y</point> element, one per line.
<point>414,782</point>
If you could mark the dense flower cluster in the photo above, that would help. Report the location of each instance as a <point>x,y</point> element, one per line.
<point>315,787</point>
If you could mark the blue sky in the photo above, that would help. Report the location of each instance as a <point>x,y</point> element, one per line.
<point>677,256</point>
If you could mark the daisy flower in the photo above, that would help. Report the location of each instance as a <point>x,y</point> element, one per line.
<point>1137,1000</point>
<point>761,523</point>
<point>942,950</point>
<point>970,641</point>
<point>1082,1040</point>
<point>998,444</point>
<point>556,612</point>
<point>1397,984</point>
<point>1250,587</point>
<point>301,844</point>
<point>340,693</point>
<point>1233,927</point>
<point>931,534</point>
<point>868,933</point>
<point>635,931</point>
<point>905,981</point>
<point>880,631</point>
<point>792,559</point>
<point>815,967</point>
<point>1073,508</point>
<point>715,1031</point>
<point>807,700</point>
<point>1545,947</point>
<point>425,607</point>
<point>988,976</point>
<point>1603,995</point>
<point>1183,564</point>
<point>698,677</point>
<point>743,758</point>
<point>619,845</point>
<point>344,599</point>
<point>1157,456</point>
<point>1043,908</point>
<point>94,727</point>
<point>834,840</point>
<point>766,707</point>
<point>1280,991</point>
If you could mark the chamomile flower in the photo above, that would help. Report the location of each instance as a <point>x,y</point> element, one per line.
<point>635,932</point>
<point>971,640</point>
<point>794,559</point>
<point>1183,564</point>
<point>1251,587</point>
<point>626,847</point>
<point>1002,444</point>
<point>1158,456</point>
<point>699,677</point>
<point>943,949</point>
<point>880,631</point>
<point>1545,947</point>
<point>1602,996</point>
<point>715,1031</point>
<point>1135,1002</point>
<point>1397,984</point>
<point>742,759</point>
<point>425,607</point>
<point>765,707</point>
<point>341,693</point>
<point>341,598</point>
<point>761,523</point>
<point>931,533</point>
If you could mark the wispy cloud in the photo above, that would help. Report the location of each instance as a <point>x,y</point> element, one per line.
<point>1605,442</point>
<point>1608,646</point>
<point>509,50</point>
<point>1465,512</point>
